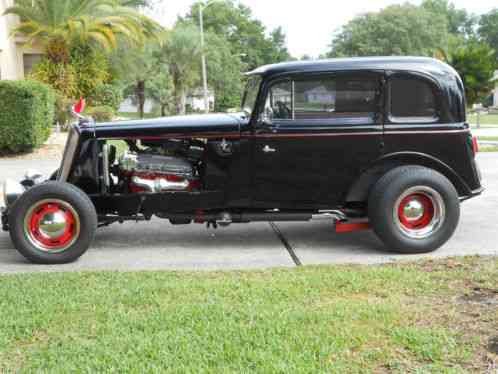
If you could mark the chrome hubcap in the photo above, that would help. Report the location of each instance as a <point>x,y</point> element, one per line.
<point>53,225</point>
<point>419,212</point>
<point>413,210</point>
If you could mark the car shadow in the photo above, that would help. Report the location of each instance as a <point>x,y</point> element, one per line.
<point>255,239</point>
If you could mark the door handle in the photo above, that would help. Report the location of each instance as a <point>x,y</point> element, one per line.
<point>268,149</point>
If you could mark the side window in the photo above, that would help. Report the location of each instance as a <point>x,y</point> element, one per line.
<point>279,101</point>
<point>412,100</point>
<point>335,97</point>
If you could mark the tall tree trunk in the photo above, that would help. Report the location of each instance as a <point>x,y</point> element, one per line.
<point>184,102</point>
<point>163,109</point>
<point>180,99</point>
<point>141,97</point>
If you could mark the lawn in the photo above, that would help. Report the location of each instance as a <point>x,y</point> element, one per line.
<point>486,120</point>
<point>436,316</point>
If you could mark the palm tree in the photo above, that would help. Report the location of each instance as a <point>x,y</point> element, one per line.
<point>58,24</point>
<point>182,53</point>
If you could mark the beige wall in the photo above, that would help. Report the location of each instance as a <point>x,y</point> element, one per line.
<point>8,49</point>
<point>12,49</point>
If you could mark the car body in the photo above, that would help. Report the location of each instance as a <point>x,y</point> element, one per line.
<point>315,140</point>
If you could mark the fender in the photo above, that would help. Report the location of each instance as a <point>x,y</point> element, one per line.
<point>361,187</point>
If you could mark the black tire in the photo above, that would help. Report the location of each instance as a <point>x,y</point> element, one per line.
<point>384,206</point>
<point>75,199</point>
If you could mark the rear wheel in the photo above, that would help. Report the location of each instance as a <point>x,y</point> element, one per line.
<point>53,223</point>
<point>414,209</point>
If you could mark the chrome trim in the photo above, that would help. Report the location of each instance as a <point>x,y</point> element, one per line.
<point>335,215</point>
<point>69,154</point>
<point>437,220</point>
<point>159,184</point>
<point>105,167</point>
<point>12,191</point>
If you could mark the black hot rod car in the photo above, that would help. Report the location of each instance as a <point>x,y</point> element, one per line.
<point>379,141</point>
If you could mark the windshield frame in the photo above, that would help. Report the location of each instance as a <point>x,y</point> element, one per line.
<point>251,93</point>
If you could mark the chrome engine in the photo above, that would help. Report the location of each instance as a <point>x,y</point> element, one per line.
<point>156,173</point>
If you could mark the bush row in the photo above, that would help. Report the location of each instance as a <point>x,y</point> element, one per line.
<point>26,115</point>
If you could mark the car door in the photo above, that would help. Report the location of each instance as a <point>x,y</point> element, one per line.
<point>316,134</point>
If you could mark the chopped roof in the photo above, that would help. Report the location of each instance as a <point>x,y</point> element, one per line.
<point>422,64</point>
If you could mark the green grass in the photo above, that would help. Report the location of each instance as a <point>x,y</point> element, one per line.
<point>487,149</point>
<point>335,319</point>
<point>489,138</point>
<point>485,119</point>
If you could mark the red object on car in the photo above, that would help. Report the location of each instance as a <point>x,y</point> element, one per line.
<point>475,144</point>
<point>342,228</point>
<point>79,107</point>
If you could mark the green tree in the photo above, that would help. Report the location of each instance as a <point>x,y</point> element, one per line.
<point>74,35</point>
<point>459,21</point>
<point>475,62</point>
<point>133,67</point>
<point>160,89</point>
<point>224,73</point>
<point>182,53</point>
<point>58,24</point>
<point>396,30</point>
<point>488,29</point>
<point>246,35</point>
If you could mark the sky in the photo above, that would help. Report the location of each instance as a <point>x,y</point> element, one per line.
<point>310,24</point>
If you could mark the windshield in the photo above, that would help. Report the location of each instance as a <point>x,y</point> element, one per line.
<point>251,95</point>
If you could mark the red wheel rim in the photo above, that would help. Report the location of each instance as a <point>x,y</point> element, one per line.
<point>52,225</point>
<point>416,221</point>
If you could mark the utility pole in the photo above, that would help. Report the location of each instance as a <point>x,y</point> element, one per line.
<point>203,59</point>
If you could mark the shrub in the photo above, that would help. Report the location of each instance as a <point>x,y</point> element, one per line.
<point>91,69</point>
<point>106,95</point>
<point>26,115</point>
<point>61,77</point>
<point>101,113</point>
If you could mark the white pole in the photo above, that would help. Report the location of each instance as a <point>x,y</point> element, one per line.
<point>203,60</point>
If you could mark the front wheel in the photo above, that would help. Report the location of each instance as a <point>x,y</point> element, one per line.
<point>53,223</point>
<point>414,209</point>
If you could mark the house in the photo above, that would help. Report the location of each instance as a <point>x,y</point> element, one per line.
<point>195,100</point>
<point>16,59</point>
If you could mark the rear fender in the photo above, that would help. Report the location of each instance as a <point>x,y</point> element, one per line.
<point>360,189</point>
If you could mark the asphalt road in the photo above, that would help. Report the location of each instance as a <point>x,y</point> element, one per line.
<point>157,245</point>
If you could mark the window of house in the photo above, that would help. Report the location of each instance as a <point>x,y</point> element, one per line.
<point>321,98</point>
<point>412,100</point>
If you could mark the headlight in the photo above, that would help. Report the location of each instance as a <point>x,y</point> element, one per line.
<point>11,191</point>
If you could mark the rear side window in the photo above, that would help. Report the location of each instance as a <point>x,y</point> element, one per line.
<point>412,100</point>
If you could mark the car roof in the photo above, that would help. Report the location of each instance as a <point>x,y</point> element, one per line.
<point>416,64</point>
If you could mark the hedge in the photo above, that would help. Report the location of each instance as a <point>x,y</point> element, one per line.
<point>101,113</point>
<point>26,115</point>
<point>106,95</point>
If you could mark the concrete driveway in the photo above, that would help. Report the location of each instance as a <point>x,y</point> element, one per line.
<point>157,245</point>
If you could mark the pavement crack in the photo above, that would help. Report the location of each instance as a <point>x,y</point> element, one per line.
<point>286,244</point>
